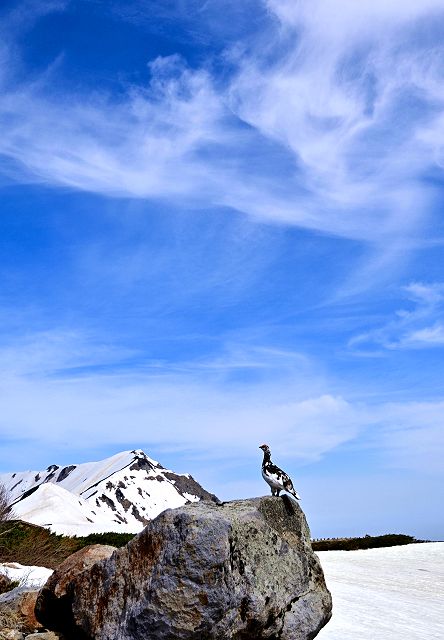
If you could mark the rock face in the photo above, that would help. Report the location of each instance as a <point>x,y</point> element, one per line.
<point>53,602</point>
<point>80,561</point>
<point>241,570</point>
<point>17,618</point>
<point>20,603</point>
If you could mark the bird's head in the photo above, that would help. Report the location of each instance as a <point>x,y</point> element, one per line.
<point>265,448</point>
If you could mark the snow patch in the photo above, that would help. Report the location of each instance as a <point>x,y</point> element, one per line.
<point>34,577</point>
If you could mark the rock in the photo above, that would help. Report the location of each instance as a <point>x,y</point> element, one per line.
<point>5,583</point>
<point>45,635</point>
<point>53,596</point>
<point>19,603</point>
<point>75,564</point>
<point>11,634</point>
<point>241,570</point>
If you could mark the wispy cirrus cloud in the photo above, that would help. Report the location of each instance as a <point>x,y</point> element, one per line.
<point>418,328</point>
<point>130,148</point>
<point>343,110</point>
<point>411,435</point>
<point>350,91</point>
<point>429,336</point>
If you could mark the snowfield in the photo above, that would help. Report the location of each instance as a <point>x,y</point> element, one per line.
<point>34,577</point>
<point>395,593</point>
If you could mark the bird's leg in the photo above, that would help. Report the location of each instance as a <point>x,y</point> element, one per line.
<point>278,491</point>
<point>273,491</point>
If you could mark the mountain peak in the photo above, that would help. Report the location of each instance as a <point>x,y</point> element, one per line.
<point>120,493</point>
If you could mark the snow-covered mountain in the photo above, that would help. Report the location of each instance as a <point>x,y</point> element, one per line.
<point>121,493</point>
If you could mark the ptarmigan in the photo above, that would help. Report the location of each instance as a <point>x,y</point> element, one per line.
<point>276,478</point>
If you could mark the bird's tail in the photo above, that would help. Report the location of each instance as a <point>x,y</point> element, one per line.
<point>288,486</point>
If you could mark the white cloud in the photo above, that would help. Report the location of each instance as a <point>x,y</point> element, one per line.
<point>346,18</point>
<point>183,411</point>
<point>426,294</point>
<point>338,97</point>
<point>50,395</point>
<point>421,327</point>
<point>208,422</point>
<point>48,353</point>
<point>428,336</point>
<point>412,435</point>
<point>330,86</point>
<point>143,146</point>
<point>52,392</point>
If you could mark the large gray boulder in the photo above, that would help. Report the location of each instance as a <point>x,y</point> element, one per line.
<point>241,570</point>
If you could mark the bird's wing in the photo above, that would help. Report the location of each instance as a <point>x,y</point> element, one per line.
<point>275,473</point>
<point>283,477</point>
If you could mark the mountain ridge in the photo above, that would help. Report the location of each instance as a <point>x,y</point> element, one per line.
<point>121,493</point>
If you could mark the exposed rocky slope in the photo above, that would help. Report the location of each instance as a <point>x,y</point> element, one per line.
<point>121,493</point>
<point>240,570</point>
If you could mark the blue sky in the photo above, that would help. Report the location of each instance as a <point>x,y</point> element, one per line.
<point>221,226</point>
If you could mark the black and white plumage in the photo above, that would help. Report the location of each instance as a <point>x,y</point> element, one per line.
<point>275,477</point>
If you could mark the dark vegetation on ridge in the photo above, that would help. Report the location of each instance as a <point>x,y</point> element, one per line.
<point>366,542</point>
<point>30,544</point>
